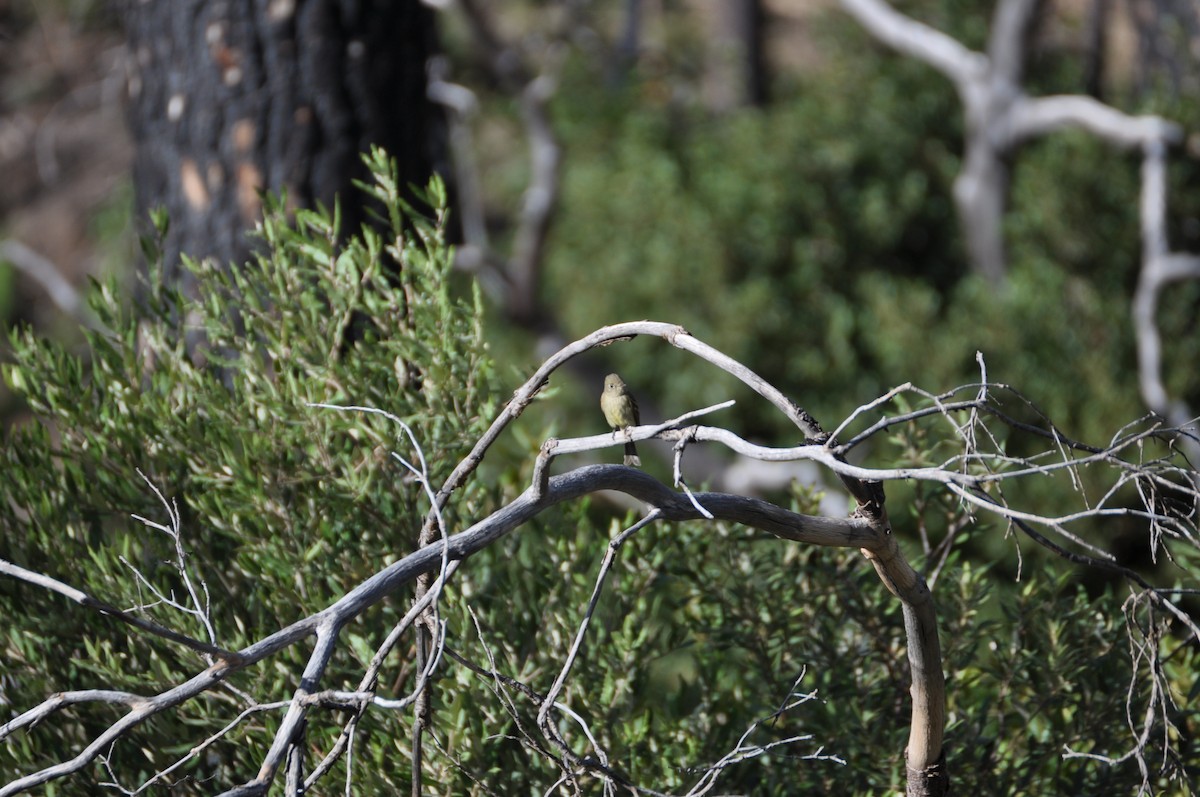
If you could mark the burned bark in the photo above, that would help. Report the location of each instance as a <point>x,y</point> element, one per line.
<point>228,100</point>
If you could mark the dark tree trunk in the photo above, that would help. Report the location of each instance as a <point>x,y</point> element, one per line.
<point>229,98</point>
<point>750,20</point>
<point>737,72</point>
<point>1099,18</point>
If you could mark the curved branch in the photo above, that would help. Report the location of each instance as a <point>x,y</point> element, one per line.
<point>865,492</point>
<point>918,40</point>
<point>1031,117</point>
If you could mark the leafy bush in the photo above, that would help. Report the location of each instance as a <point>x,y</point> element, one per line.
<point>814,240</point>
<point>284,506</point>
<point>701,631</point>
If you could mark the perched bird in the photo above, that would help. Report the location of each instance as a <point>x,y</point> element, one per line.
<point>620,410</point>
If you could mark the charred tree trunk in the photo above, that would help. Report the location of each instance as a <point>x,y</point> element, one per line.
<point>750,18</point>
<point>228,99</point>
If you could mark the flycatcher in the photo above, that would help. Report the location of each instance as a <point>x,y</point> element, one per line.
<point>620,410</point>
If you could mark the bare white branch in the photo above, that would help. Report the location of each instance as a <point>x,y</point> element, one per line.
<point>917,40</point>
<point>1040,116</point>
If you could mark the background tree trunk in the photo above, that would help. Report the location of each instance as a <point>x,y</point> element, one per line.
<point>737,69</point>
<point>228,99</point>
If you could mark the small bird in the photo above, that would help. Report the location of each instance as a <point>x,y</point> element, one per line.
<point>620,410</point>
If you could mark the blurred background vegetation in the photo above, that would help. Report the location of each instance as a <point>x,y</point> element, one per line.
<point>812,237</point>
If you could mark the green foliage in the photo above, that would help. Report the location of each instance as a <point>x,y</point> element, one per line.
<point>759,229</point>
<point>815,240</point>
<point>702,631</point>
<point>1047,329</point>
<point>284,506</point>
<point>1042,670</point>
<point>8,283</point>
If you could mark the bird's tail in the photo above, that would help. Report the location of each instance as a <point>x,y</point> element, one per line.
<point>631,456</point>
